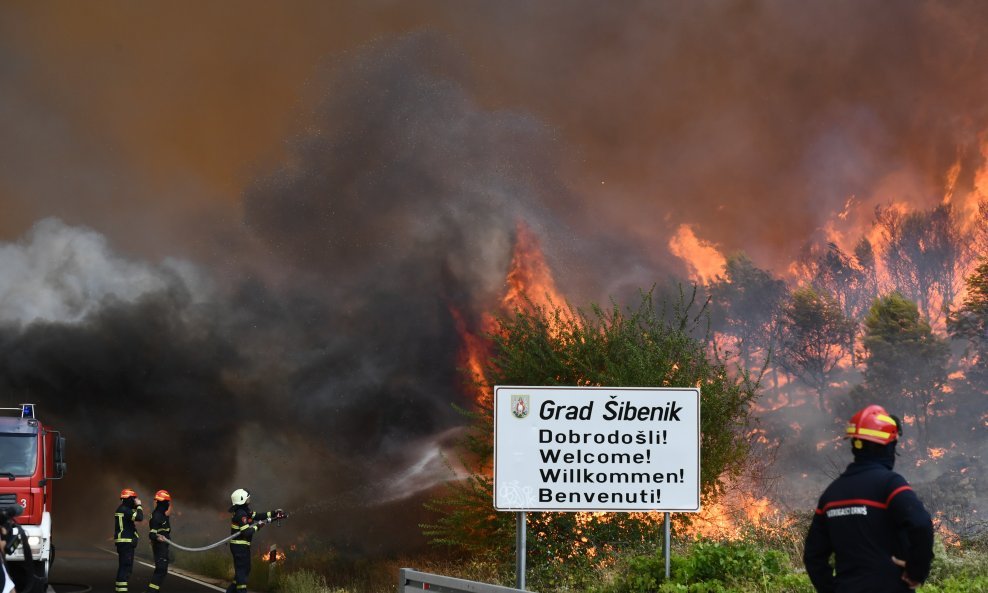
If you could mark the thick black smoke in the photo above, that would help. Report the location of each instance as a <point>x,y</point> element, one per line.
<point>400,203</point>
<point>137,388</point>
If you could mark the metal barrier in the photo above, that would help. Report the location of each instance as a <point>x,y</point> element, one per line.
<point>412,580</point>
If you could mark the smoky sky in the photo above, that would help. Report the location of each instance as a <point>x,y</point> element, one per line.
<point>281,205</point>
<point>668,113</point>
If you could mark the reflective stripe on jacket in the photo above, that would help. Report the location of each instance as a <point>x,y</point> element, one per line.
<point>124,530</point>
<point>244,524</point>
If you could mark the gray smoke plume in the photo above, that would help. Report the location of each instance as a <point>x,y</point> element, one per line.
<point>119,353</point>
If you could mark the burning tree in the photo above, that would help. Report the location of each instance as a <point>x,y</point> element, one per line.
<point>905,362</point>
<point>814,334</point>
<point>550,345</point>
<point>970,322</point>
<point>747,299</point>
<point>924,251</point>
<point>864,255</point>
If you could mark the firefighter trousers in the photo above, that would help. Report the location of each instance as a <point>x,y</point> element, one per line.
<point>160,552</point>
<point>241,568</point>
<point>125,565</point>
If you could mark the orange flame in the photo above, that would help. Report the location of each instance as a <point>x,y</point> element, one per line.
<point>734,512</point>
<point>273,556</point>
<point>528,284</point>
<point>703,261</point>
<point>529,279</point>
<point>473,354</point>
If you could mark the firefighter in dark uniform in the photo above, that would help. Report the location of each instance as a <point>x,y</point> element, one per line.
<point>160,525</point>
<point>870,519</point>
<point>125,535</point>
<point>243,525</point>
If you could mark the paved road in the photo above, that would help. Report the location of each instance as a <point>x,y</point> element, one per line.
<point>80,567</point>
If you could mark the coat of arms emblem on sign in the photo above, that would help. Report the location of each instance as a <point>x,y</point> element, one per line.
<point>520,405</point>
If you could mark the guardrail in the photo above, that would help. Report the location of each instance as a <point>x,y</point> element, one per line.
<point>412,580</point>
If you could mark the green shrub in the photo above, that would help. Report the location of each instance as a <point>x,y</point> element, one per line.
<point>731,561</point>
<point>958,585</point>
<point>711,587</point>
<point>709,567</point>
<point>643,573</point>
<point>965,562</point>
<point>792,583</point>
<point>305,581</point>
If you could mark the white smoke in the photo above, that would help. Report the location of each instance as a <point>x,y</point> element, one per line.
<point>59,273</point>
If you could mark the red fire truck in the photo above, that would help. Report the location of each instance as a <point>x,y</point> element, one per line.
<point>31,456</point>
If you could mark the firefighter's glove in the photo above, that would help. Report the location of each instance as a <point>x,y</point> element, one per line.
<point>279,514</point>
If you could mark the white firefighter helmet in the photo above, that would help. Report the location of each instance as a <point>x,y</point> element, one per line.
<point>240,496</point>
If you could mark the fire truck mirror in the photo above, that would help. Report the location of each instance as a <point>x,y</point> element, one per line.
<point>60,449</point>
<point>61,468</point>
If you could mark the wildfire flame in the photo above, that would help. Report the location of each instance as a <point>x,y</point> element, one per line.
<point>528,284</point>
<point>529,280</point>
<point>735,512</point>
<point>703,260</point>
<point>273,556</point>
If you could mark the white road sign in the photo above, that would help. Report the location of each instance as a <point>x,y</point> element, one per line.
<point>596,449</point>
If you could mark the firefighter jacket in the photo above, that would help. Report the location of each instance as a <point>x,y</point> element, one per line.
<point>244,523</point>
<point>159,523</point>
<point>865,517</point>
<point>124,531</point>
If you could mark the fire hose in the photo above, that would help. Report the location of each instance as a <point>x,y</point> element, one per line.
<point>260,523</point>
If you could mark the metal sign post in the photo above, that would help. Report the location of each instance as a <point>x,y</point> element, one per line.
<point>520,551</point>
<point>668,530</point>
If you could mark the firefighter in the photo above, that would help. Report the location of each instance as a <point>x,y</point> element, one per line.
<point>125,535</point>
<point>869,518</point>
<point>244,524</point>
<point>159,525</point>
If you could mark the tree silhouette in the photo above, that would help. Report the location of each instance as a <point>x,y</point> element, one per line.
<point>970,323</point>
<point>924,251</point>
<point>905,362</point>
<point>814,334</point>
<point>747,301</point>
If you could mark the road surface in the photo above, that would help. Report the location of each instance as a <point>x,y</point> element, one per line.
<point>81,568</point>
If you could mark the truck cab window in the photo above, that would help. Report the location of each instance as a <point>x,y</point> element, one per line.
<point>18,453</point>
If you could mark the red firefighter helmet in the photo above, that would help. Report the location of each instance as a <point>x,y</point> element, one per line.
<point>873,424</point>
<point>128,493</point>
<point>162,495</point>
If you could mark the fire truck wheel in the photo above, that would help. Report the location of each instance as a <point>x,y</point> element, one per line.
<point>41,567</point>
